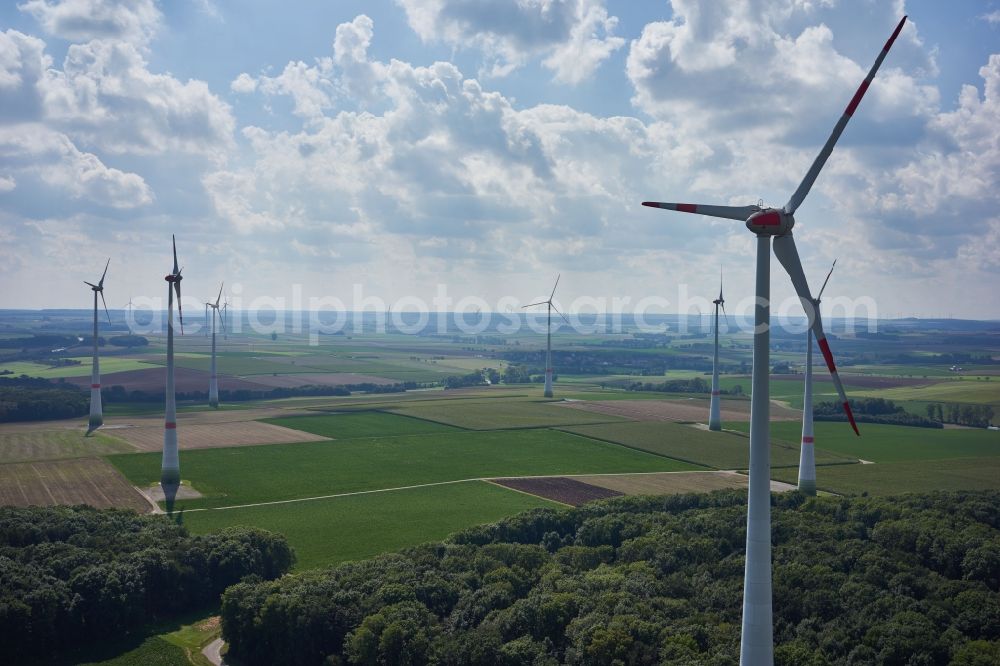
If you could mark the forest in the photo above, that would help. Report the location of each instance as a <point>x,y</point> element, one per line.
<point>909,580</point>
<point>74,576</point>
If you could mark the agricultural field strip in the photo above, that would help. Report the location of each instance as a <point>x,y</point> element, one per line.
<point>782,444</point>
<point>488,479</point>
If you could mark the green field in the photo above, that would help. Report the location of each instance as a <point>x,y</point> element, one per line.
<point>325,532</point>
<point>721,450</point>
<point>913,476</point>
<point>497,414</point>
<point>21,445</point>
<point>243,475</point>
<point>966,390</point>
<point>108,365</point>
<point>889,443</point>
<point>349,425</point>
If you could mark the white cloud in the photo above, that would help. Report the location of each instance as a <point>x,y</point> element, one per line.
<point>244,83</point>
<point>993,18</point>
<point>573,36</point>
<point>7,183</point>
<point>82,20</point>
<point>36,150</point>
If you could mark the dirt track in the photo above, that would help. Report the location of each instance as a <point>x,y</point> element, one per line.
<point>690,410</point>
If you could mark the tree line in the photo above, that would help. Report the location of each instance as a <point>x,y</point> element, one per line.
<point>872,410</point>
<point>26,398</point>
<point>977,416</point>
<point>75,576</point>
<point>648,580</point>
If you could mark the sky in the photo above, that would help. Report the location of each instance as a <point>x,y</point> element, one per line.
<point>395,148</point>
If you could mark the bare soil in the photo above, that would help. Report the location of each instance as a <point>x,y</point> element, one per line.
<point>559,489</point>
<point>208,436</point>
<point>90,481</point>
<point>670,483</point>
<point>688,410</point>
<point>154,379</point>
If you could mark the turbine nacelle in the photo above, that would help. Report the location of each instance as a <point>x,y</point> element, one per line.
<point>771,222</point>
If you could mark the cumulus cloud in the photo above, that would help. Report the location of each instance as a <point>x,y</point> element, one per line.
<point>36,150</point>
<point>82,20</point>
<point>573,36</point>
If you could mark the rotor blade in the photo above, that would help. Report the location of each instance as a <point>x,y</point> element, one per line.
<point>221,285</point>
<point>554,287</point>
<point>838,129</point>
<point>530,305</point>
<point>561,314</point>
<point>725,316</point>
<point>174,239</point>
<point>823,288</point>
<point>180,311</point>
<point>105,307</point>
<point>729,212</point>
<point>720,283</point>
<point>90,285</point>
<point>101,283</point>
<point>222,320</point>
<point>788,255</point>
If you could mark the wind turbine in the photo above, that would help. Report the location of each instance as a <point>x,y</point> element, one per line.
<point>128,319</point>
<point>170,468</point>
<point>213,382</point>
<point>224,316</point>
<point>548,336</point>
<point>757,640</point>
<point>714,411</point>
<point>807,455</point>
<point>96,413</point>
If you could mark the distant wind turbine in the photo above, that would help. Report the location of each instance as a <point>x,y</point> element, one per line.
<point>714,410</point>
<point>96,413</point>
<point>213,382</point>
<point>807,454</point>
<point>170,468</point>
<point>128,317</point>
<point>548,336</point>
<point>757,637</point>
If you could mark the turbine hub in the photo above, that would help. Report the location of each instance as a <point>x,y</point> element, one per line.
<point>173,278</point>
<point>770,222</point>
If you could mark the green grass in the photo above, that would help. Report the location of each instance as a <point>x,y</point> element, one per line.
<point>243,475</point>
<point>721,450</point>
<point>966,390</point>
<point>361,424</point>
<point>496,414</point>
<point>154,651</point>
<point>325,532</point>
<point>913,476</point>
<point>22,445</point>
<point>108,366</point>
<point>890,443</point>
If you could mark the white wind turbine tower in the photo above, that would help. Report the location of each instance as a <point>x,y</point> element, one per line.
<point>757,640</point>
<point>807,454</point>
<point>714,410</point>
<point>96,413</point>
<point>170,469</point>
<point>213,382</point>
<point>128,318</point>
<point>548,336</point>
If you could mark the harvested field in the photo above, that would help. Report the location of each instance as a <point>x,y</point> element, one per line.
<point>90,481</point>
<point>691,409</point>
<point>154,379</point>
<point>191,436</point>
<point>560,489</point>
<point>316,378</point>
<point>674,483</point>
<point>18,445</point>
<point>497,414</point>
